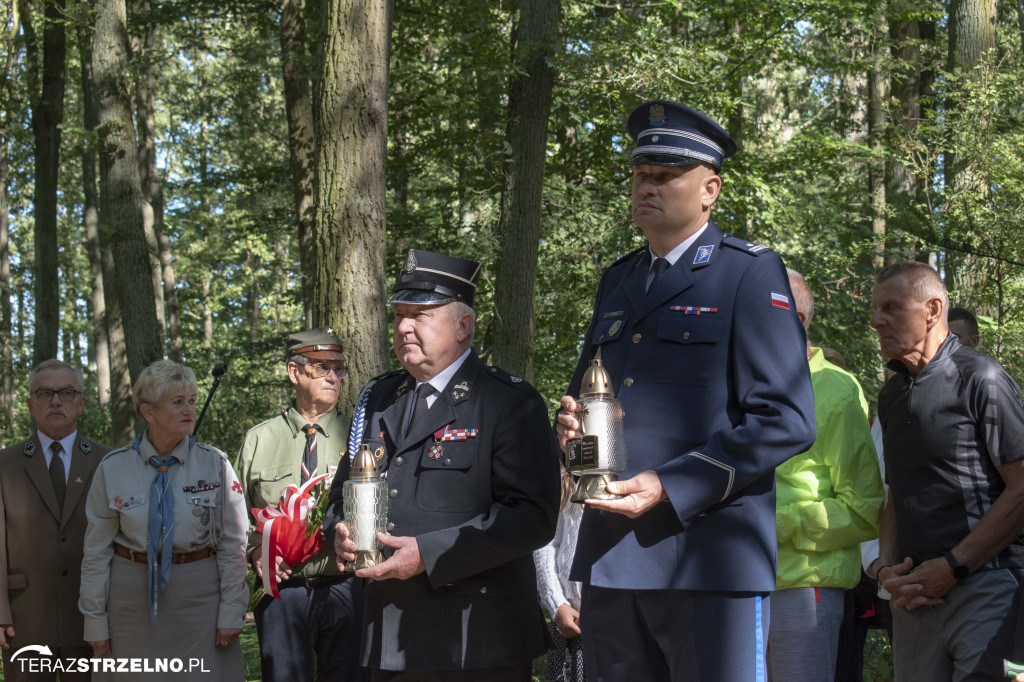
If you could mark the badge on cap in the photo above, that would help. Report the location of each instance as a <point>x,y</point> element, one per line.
<point>657,117</point>
<point>703,254</point>
<point>410,263</point>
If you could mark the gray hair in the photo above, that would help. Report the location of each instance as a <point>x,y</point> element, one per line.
<point>921,279</point>
<point>456,309</point>
<point>53,363</point>
<point>159,378</point>
<point>802,295</point>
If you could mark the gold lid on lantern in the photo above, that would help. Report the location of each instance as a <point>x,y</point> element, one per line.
<point>364,465</point>
<point>596,381</point>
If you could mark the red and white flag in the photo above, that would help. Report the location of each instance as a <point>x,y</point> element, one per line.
<point>780,301</point>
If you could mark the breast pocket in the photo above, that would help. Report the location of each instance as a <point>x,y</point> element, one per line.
<point>608,330</point>
<point>271,482</point>
<point>447,478</point>
<point>686,348</point>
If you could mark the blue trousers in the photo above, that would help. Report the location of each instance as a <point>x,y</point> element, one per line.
<point>673,635</point>
<point>323,622</point>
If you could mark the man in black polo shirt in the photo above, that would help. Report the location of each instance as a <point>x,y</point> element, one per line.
<point>950,541</point>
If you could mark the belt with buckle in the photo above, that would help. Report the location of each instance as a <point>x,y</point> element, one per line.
<point>176,558</point>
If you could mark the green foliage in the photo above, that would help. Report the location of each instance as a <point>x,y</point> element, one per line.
<point>789,81</point>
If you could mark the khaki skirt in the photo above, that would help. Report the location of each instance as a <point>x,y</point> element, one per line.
<point>185,637</point>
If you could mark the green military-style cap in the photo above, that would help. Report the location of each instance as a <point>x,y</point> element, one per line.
<point>319,344</point>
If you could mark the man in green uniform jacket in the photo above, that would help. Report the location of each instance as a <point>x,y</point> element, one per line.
<point>320,610</point>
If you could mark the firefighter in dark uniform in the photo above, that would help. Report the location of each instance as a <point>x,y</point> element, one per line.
<point>705,350</point>
<point>473,485</point>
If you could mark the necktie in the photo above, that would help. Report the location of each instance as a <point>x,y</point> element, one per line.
<point>60,484</point>
<point>422,393</point>
<point>160,532</point>
<point>658,267</point>
<point>309,453</point>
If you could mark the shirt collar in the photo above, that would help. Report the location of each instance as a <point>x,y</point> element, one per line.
<point>440,381</point>
<point>67,442</point>
<point>677,253</point>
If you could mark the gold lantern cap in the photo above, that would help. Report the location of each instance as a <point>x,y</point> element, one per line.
<point>596,381</point>
<point>364,464</point>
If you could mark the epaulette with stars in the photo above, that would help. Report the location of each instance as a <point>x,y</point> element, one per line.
<point>745,246</point>
<point>511,379</point>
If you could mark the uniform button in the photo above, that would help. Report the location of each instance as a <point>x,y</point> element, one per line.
<point>447,462</point>
<point>627,382</point>
<point>63,538</point>
<point>393,493</point>
<point>64,572</point>
<point>636,338</point>
<point>686,335</point>
<point>399,461</point>
<point>390,526</point>
<point>483,590</point>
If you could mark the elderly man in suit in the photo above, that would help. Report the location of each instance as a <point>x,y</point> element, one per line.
<point>43,485</point>
<point>473,488</point>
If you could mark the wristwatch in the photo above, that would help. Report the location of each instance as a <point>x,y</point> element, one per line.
<point>959,570</point>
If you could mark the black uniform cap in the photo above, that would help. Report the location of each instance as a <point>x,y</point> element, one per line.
<point>429,278</point>
<point>671,134</point>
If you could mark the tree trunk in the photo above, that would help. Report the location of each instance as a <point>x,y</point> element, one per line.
<point>165,293</point>
<point>122,192</point>
<point>529,103</point>
<point>90,216</point>
<point>902,185</point>
<point>877,78</point>
<point>350,123</point>
<point>298,106</point>
<point>46,74</point>
<point>972,34</point>
<point>7,394</point>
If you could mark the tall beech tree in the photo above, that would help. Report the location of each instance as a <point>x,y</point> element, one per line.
<point>350,117</point>
<point>534,46</point>
<point>120,186</point>
<point>46,71</point>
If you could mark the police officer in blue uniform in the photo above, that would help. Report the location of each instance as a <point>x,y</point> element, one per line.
<point>701,338</point>
<point>473,486</point>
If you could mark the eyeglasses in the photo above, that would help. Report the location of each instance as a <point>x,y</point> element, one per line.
<point>45,395</point>
<point>320,369</point>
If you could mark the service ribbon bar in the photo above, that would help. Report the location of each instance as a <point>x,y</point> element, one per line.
<point>692,309</point>
<point>454,434</point>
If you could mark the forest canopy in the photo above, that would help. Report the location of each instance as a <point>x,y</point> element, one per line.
<point>868,133</point>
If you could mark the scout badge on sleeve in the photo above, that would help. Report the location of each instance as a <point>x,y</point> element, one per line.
<point>284,531</point>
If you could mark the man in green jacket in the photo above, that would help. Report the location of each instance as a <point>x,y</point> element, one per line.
<point>320,610</point>
<point>828,500</point>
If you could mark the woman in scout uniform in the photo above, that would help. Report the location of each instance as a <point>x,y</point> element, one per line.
<point>163,575</point>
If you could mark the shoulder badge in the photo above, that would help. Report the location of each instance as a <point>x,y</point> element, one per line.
<point>30,447</point>
<point>85,446</point>
<point>743,245</point>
